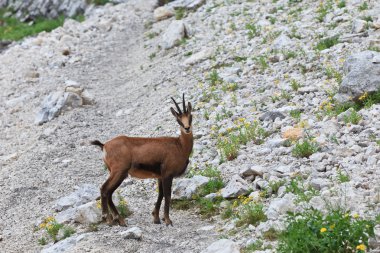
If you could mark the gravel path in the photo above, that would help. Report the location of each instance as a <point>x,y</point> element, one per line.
<point>42,163</point>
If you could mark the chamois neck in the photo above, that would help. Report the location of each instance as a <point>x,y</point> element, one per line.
<point>186,140</point>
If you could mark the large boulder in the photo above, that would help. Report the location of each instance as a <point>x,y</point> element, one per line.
<point>235,187</point>
<point>82,195</point>
<point>222,246</point>
<point>173,35</point>
<point>64,245</point>
<point>185,188</point>
<point>363,75</point>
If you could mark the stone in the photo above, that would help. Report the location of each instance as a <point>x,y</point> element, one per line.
<point>186,4</point>
<point>88,213</point>
<point>235,187</point>
<point>222,246</point>
<point>186,187</point>
<point>280,206</point>
<point>317,203</point>
<point>363,75</point>
<point>132,233</point>
<point>56,102</point>
<point>319,183</point>
<point>283,169</point>
<point>293,133</point>
<point>271,116</point>
<point>66,216</point>
<point>199,57</point>
<point>252,171</point>
<point>64,245</point>
<point>82,195</point>
<point>282,42</point>
<point>162,13</point>
<point>342,116</point>
<point>359,26</point>
<point>175,32</point>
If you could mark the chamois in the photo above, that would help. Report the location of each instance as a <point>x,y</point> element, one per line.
<point>163,158</point>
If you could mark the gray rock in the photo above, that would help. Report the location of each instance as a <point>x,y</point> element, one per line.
<point>198,57</point>
<point>252,171</point>
<point>283,169</point>
<point>186,187</point>
<point>66,216</point>
<point>319,183</point>
<point>271,116</point>
<point>56,102</point>
<point>31,9</point>
<point>88,213</point>
<point>282,42</point>
<point>82,195</point>
<point>280,206</point>
<point>132,233</point>
<point>363,75</point>
<point>235,187</point>
<point>317,203</point>
<point>175,32</point>
<point>222,246</point>
<point>358,26</point>
<point>187,4</point>
<point>64,245</point>
<point>162,13</point>
<point>341,117</point>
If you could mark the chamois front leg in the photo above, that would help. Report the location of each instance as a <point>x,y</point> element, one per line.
<point>156,210</point>
<point>167,188</point>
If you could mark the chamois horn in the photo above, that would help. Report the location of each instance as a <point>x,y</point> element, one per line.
<point>179,110</point>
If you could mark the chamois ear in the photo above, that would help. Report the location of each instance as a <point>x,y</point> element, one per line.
<point>189,108</point>
<point>174,112</point>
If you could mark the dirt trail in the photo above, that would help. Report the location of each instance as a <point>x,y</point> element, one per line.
<point>132,97</point>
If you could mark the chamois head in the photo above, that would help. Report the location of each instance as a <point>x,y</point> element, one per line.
<point>183,118</point>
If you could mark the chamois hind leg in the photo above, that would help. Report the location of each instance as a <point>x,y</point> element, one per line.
<point>106,216</point>
<point>167,188</point>
<point>116,179</point>
<point>156,211</point>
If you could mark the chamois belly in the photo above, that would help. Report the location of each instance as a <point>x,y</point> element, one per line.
<point>143,171</point>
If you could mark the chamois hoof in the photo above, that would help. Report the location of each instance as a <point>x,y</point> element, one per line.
<point>121,222</point>
<point>157,221</point>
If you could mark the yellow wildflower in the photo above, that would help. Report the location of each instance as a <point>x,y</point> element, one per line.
<point>323,230</point>
<point>361,247</point>
<point>355,215</point>
<point>364,96</point>
<point>99,204</point>
<point>42,225</point>
<point>332,226</point>
<point>235,204</point>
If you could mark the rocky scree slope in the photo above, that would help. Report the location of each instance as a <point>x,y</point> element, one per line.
<point>281,64</point>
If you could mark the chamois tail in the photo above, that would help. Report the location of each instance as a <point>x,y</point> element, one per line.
<point>97,143</point>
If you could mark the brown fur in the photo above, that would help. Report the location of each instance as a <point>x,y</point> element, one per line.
<point>163,158</point>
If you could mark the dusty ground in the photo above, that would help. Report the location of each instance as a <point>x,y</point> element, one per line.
<point>39,164</point>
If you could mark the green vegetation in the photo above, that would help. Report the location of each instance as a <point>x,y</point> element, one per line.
<point>251,213</point>
<point>258,245</point>
<point>343,177</point>
<point>253,30</point>
<point>122,206</point>
<point>229,145</point>
<point>333,73</point>
<point>52,228</point>
<point>305,148</point>
<point>295,85</point>
<point>180,13</point>
<point>338,231</point>
<point>327,43</point>
<point>206,207</point>
<point>352,118</point>
<point>271,234</point>
<point>363,6</point>
<point>323,9</point>
<point>295,114</point>
<point>98,2</point>
<point>262,62</point>
<point>303,192</point>
<point>341,4</point>
<point>12,29</point>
